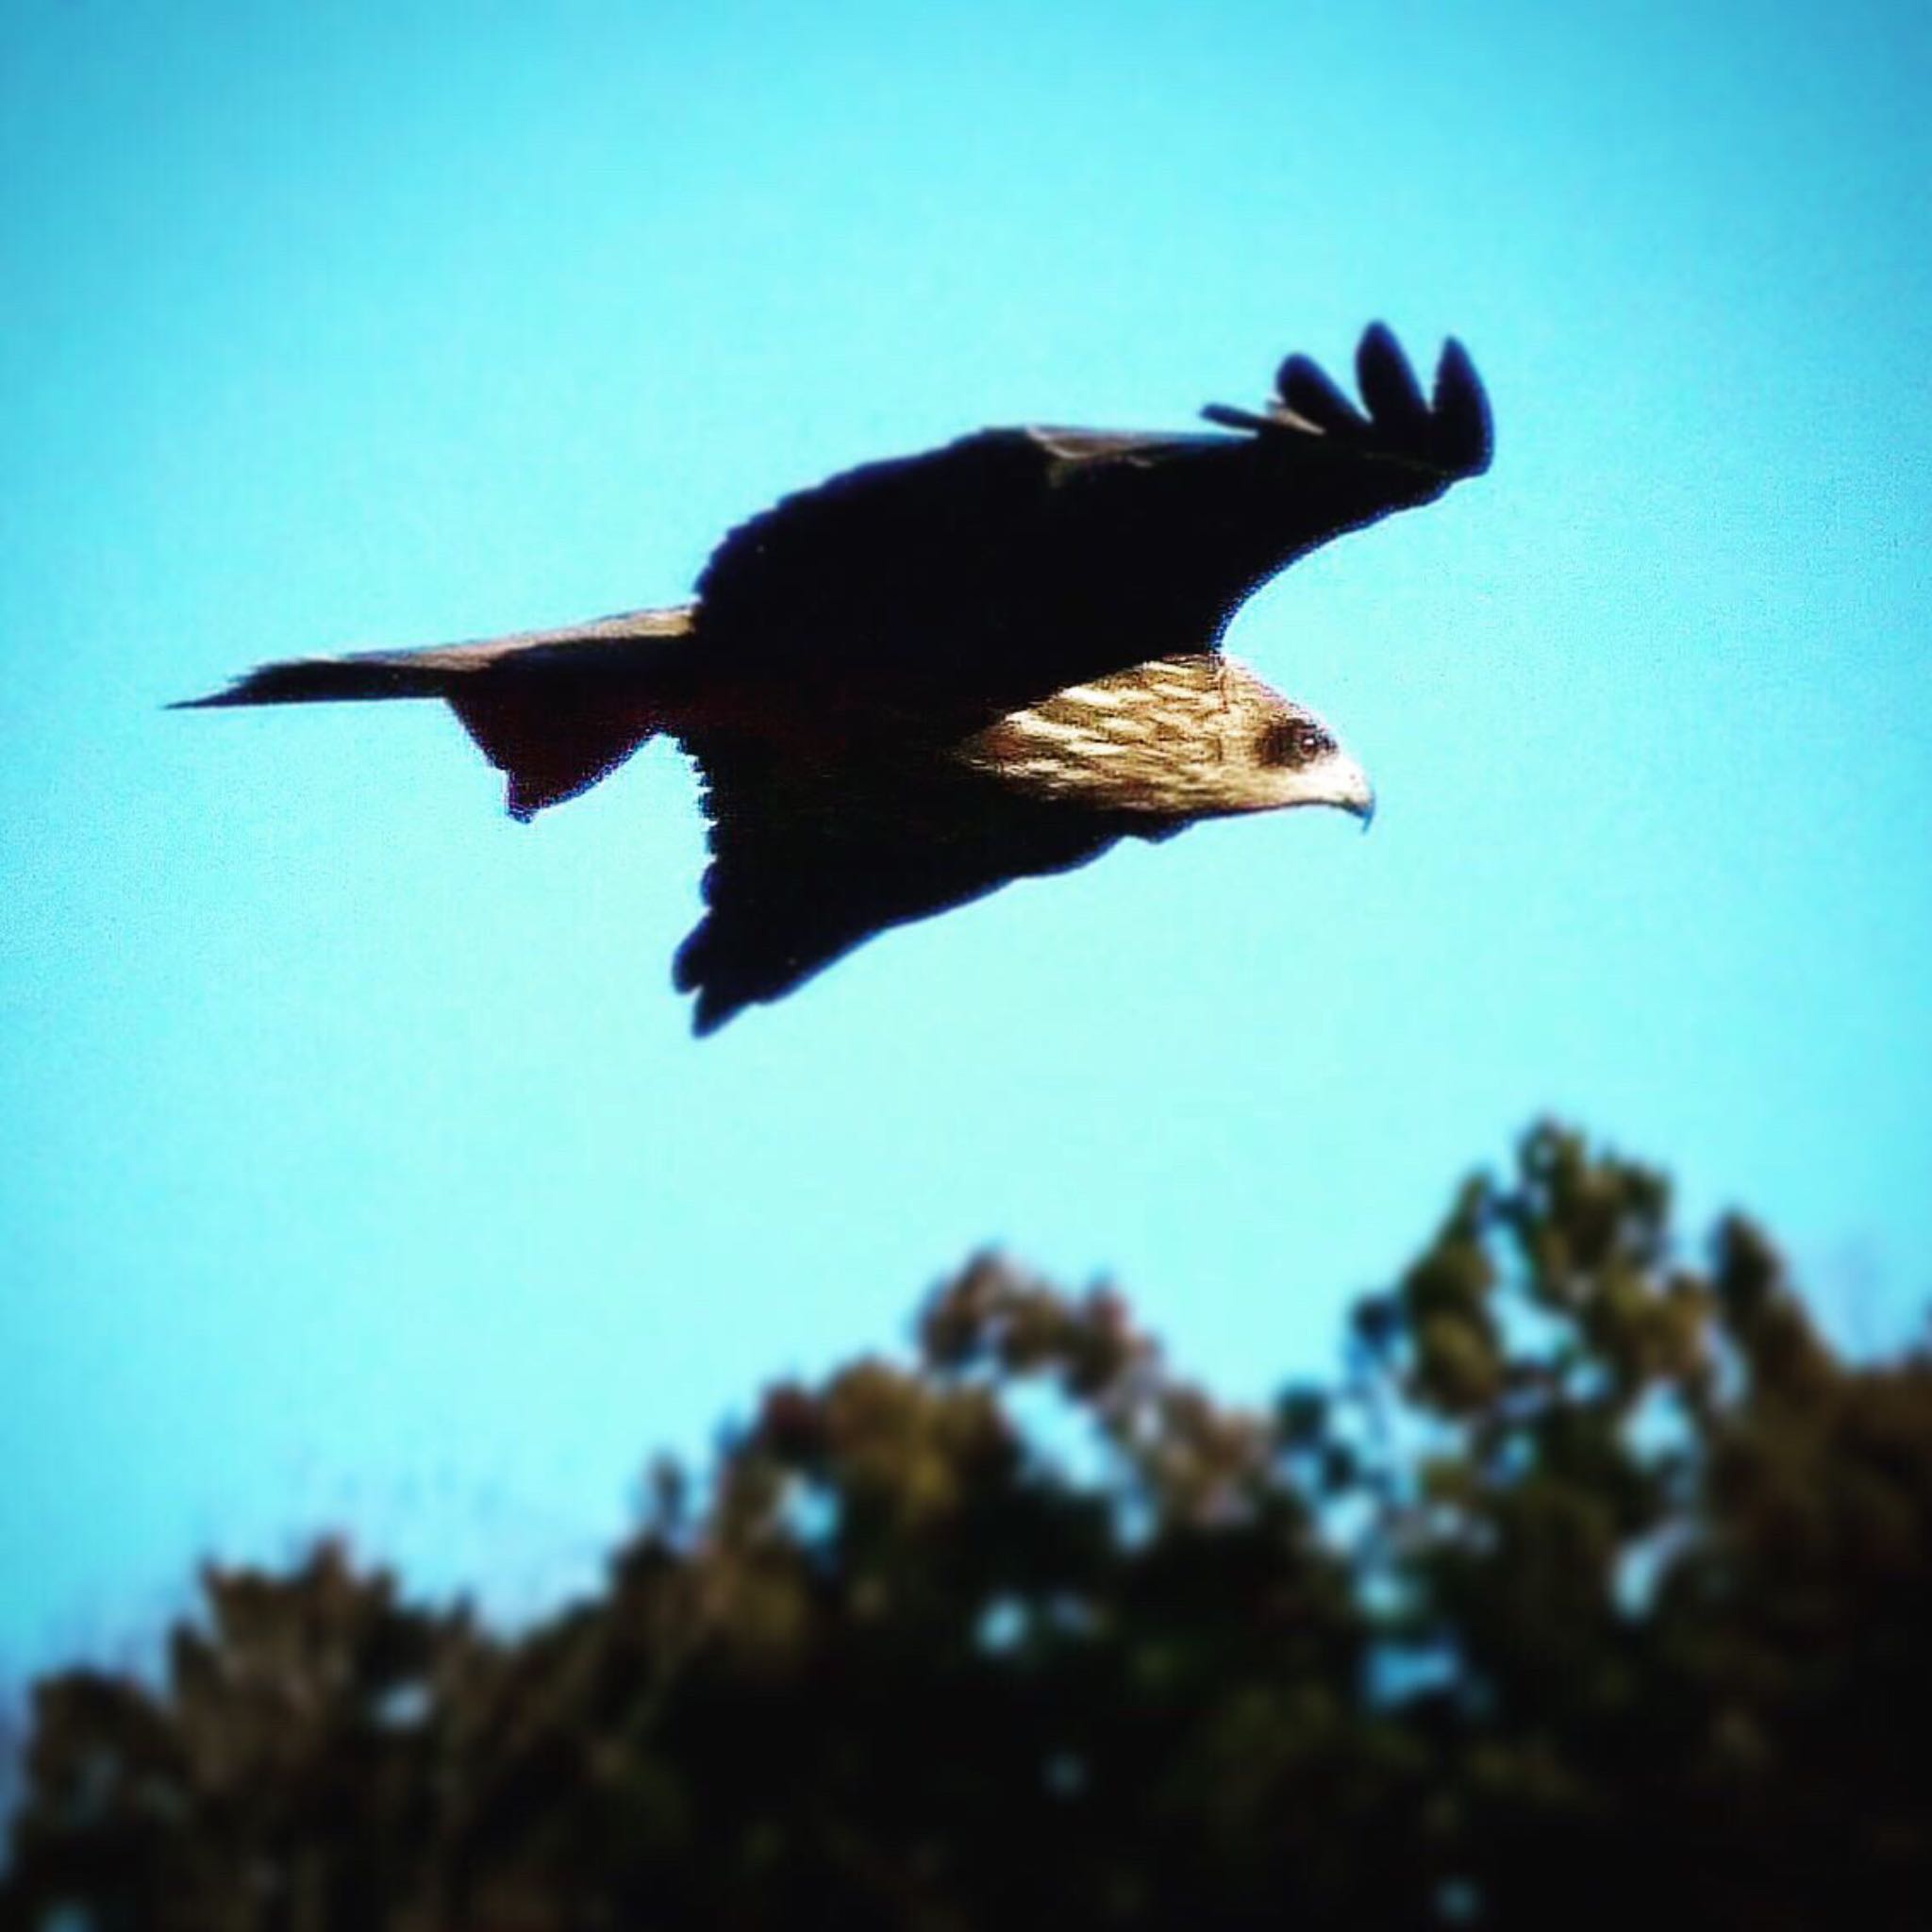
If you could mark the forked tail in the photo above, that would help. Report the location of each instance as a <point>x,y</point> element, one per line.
<point>554,711</point>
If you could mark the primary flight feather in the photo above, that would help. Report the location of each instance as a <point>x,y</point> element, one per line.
<point>931,676</point>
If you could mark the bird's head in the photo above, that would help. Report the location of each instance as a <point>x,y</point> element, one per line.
<point>1290,757</point>
<point>1193,736</point>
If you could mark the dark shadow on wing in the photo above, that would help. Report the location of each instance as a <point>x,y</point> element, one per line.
<point>810,859</point>
<point>1016,562</point>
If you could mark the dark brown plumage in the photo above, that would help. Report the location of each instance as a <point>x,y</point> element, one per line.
<point>931,676</point>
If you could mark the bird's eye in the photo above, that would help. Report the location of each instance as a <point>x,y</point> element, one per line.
<point>1292,742</point>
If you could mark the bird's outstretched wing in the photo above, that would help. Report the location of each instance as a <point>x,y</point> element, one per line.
<point>811,858</point>
<point>1016,562</point>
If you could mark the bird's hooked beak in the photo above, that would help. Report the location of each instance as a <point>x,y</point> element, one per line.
<point>1352,792</point>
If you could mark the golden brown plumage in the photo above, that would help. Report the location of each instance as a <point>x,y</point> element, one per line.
<point>1190,736</point>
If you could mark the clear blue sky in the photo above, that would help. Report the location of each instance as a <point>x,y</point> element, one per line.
<point>360,1166</point>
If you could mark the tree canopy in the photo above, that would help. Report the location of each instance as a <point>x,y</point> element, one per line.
<point>1593,1584</point>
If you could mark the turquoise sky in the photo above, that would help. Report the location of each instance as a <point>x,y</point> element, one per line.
<point>360,1166</point>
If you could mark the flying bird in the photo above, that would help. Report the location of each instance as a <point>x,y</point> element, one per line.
<point>928,677</point>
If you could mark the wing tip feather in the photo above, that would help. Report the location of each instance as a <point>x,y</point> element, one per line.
<point>1307,391</point>
<point>1449,428</point>
<point>716,997</point>
<point>1387,382</point>
<point>1460,406</point>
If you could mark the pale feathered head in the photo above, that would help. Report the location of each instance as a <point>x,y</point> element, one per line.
<point>1188,736</point>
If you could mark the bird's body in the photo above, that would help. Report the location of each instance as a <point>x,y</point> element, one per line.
<point>934,675</point>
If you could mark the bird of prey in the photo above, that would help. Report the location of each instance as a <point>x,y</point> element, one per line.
<point>931,676</point>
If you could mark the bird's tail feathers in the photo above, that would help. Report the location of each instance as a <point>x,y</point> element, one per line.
<point>554,710</point>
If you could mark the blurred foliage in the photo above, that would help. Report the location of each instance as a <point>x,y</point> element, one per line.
<point>1595,1586</point>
